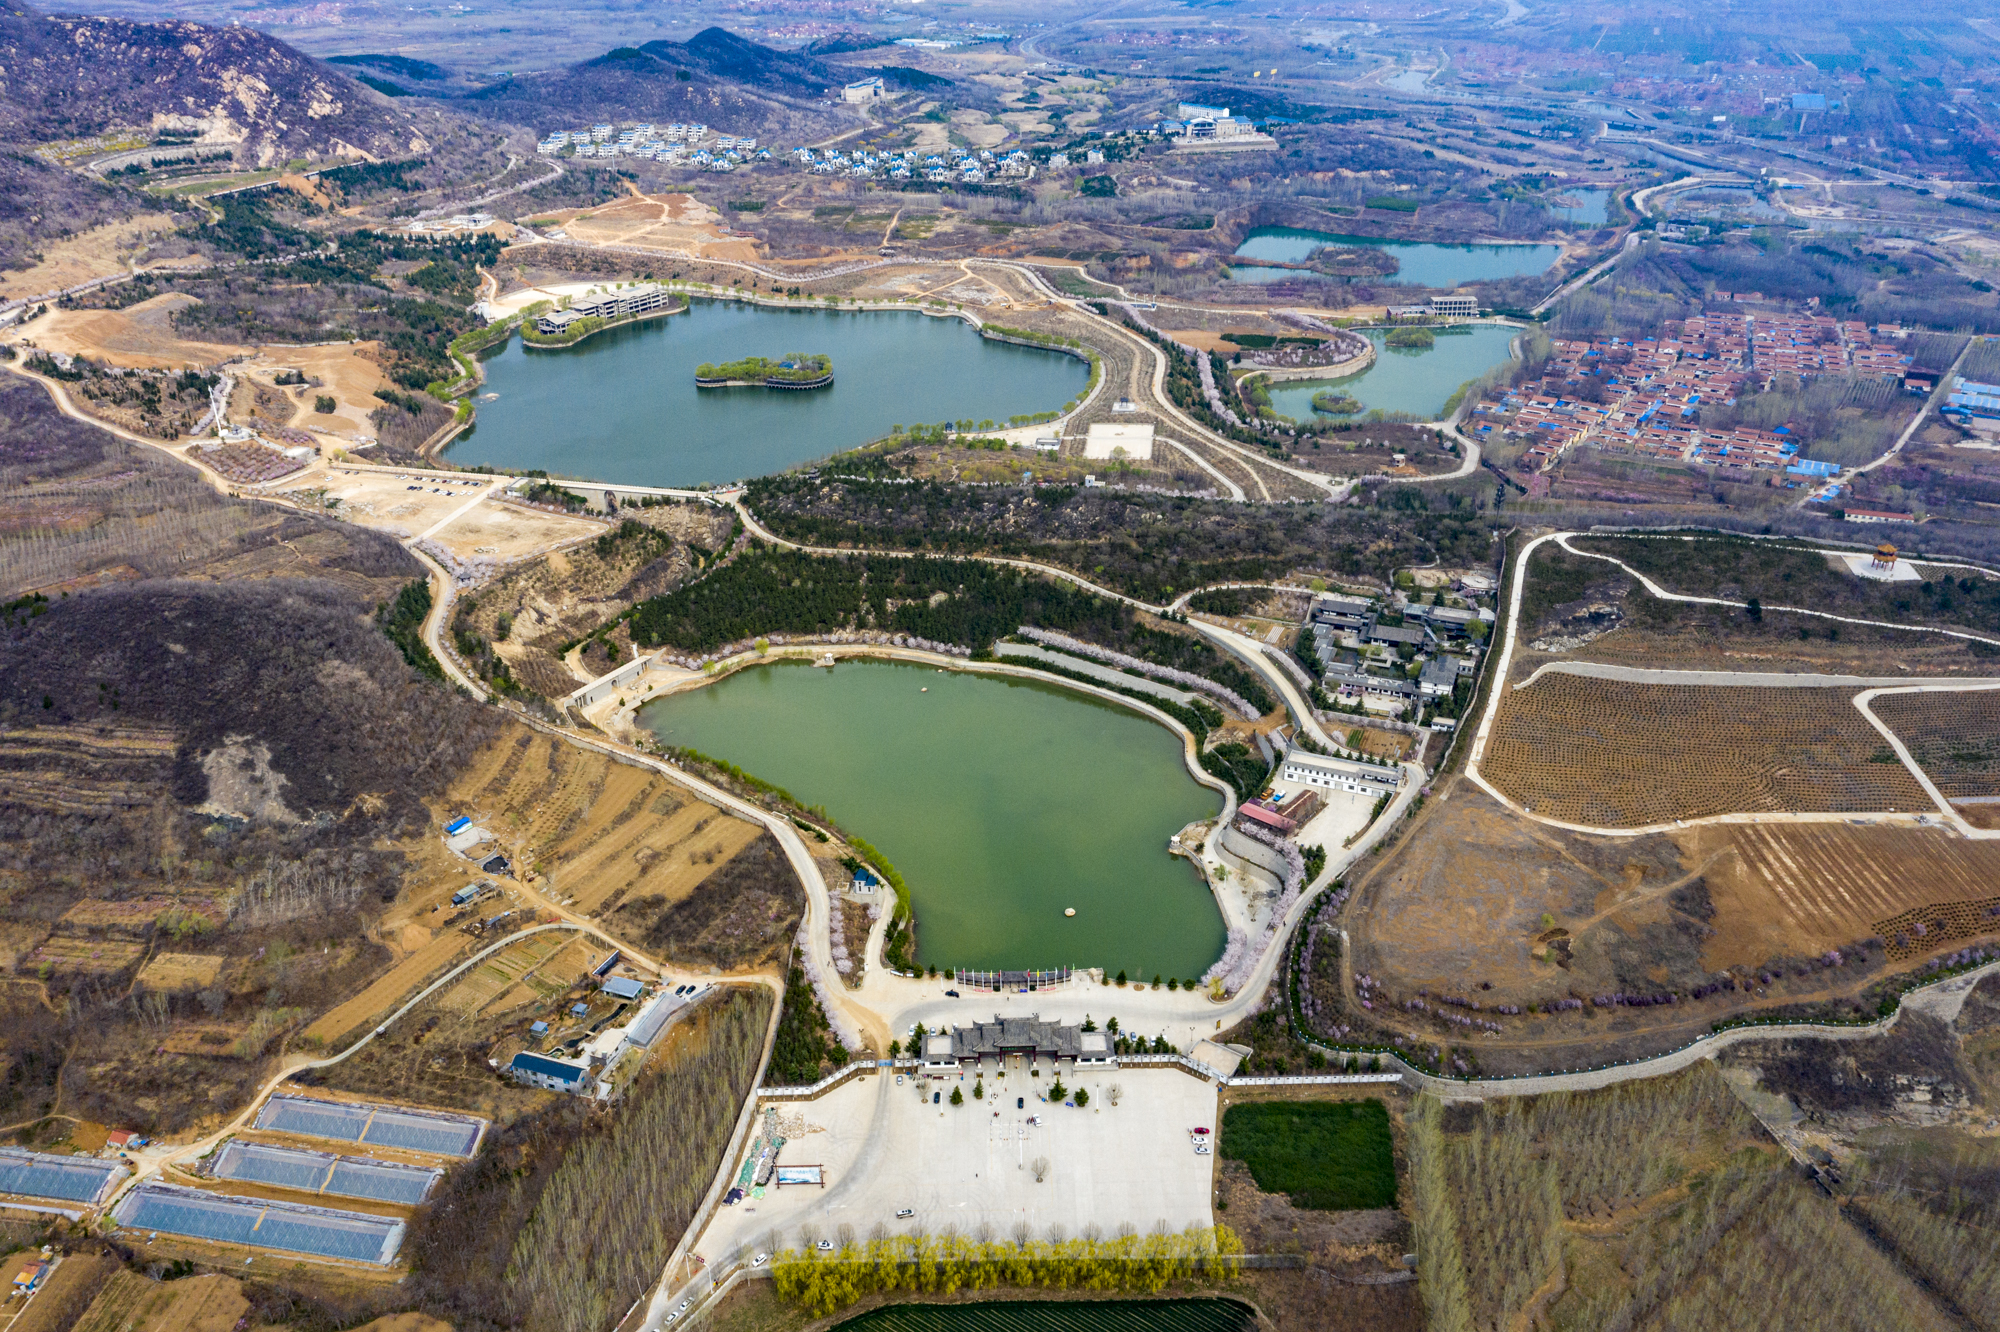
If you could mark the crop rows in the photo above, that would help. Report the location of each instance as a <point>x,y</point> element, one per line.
<point>1608,753</point>
<point>1954,737</point>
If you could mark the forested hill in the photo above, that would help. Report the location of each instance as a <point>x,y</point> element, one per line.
<point>715,78</point>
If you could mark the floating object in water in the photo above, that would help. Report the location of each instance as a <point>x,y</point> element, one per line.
<point>925,690</point>
<point>1069,911</point>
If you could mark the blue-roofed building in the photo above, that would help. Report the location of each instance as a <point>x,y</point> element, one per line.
<point>624,987</point>
<point>1808,101</point>
<point>538,1028</point>
<point>578,1010</point>
<point>462,821</point>
<point>1813,467</point>
<point>561,1075</point>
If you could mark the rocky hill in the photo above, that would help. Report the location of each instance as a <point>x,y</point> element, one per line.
<point>716,77</point>
<point>71,78</point>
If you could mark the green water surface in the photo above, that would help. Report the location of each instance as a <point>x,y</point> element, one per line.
<point>1421,263</point>
<point>1002,802</point>
<point>622,406</point>
<point>1403,379</point>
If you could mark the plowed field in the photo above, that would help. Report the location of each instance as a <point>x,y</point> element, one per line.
<point>1955,738</point>
<point>1792,890</point>
<point>1607,753</point>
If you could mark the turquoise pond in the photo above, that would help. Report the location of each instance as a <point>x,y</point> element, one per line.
<point>1421,263</point>
<point>621,405</point>
<point>1416,383</point>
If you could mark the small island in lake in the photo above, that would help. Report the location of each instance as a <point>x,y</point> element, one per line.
<point>1334,402</point>
<point>798,370</point>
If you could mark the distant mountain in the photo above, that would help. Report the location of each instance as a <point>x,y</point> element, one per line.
<point>64,78</point>
<point>716,78</point>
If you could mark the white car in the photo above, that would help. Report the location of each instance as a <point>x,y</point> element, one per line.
<point>684,1305</point>
<point>760,1260</point>
<point>670,1318</point>
<point>826,1246</point>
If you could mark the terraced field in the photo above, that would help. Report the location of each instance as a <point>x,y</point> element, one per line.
<point>1606,753</point>
<point>1955,738</point>
<point>596,830</point>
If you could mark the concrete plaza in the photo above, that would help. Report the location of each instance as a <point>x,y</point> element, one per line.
<point>886,1148</point>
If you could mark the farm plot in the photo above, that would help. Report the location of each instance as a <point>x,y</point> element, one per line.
<point>604,834</point>
<point>1954,737</point>
<point>1606,753</point>
<point>500,974</point>
<point>1329,1155</point>
<point>1792,890</point>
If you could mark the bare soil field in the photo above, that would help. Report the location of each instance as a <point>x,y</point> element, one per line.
<point>1606,753</point>
<point>1955,738</point>
<point>1467,905</point>
<point>181,971</point>
<point>98,252</point>
<point>507,532</point>
<point>672,875</point>
<point>401,504</point>
<point>75,1287</point>
<point>140,336</point>
<point>384,994</point>
<point>1790,890</point>
<point>663,222</point>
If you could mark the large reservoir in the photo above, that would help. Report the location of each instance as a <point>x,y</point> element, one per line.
<point>1422,263</point>
<point>1407,381</point>
<point>621,406</point>
<point>1002,803</point>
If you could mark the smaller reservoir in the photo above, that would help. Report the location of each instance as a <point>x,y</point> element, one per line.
<point>1414,383</point>
<point>1421,263</point>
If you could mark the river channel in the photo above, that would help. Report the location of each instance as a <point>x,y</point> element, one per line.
<point>1421,263</point>
<point>1002,802</point>
<point>1416,383</point>
<point>621,405</point>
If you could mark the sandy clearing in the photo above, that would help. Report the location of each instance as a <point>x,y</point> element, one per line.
<point>512,531</point>
<point>384,500</point>
<point>345,374</point>
<point>140,337</point>
<point>96,253</point>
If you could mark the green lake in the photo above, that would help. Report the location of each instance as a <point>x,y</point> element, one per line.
<point>1421,263</point>
<point>1404,380</point>
<point>1001,802</point>
<point>1207,1315</point>
<point>621,405</point>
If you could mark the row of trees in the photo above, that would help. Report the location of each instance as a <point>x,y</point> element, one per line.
<point>943,1265</point>
<point>964,602</point>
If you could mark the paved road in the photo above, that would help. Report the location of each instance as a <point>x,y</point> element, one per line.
<point>1598,670</point>
<point>1510,635</point>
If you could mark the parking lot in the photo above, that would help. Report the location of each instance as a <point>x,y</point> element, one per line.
<point>888,1148</point>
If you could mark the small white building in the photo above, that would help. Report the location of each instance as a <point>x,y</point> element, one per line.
<point>1339,774</point>
<point>865,90</point>
<point>1119,439</point>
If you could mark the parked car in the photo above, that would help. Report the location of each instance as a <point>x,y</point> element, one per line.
<point>906,1214</point>
<point>951,994</point>
<point>826,1246</point>
<point>1020,1102</point>
<point>760,1260</point>
<point>937,1098</point>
